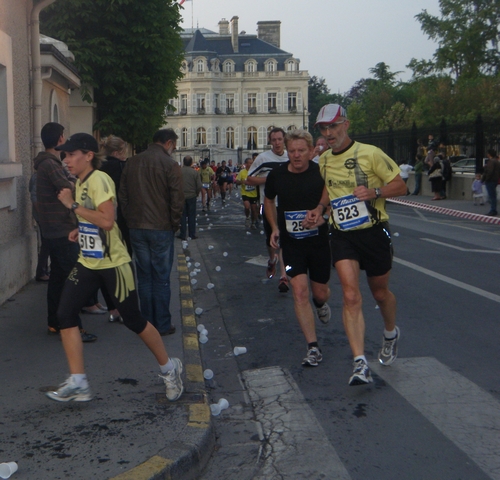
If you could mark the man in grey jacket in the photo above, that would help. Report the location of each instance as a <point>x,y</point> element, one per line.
<point>152,201</point>
<point>192,188</point>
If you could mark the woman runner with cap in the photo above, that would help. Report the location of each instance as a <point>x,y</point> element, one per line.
<point>103,259</point>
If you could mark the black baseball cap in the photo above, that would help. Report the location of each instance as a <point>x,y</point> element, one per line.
<point>79,141</point>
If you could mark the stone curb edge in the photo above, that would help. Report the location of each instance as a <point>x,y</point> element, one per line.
<point>447,211</point>
<point>191,456</point>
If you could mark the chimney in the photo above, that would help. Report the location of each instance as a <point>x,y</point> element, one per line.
<point>234,33</point>
<point>269,32</point>
<point>223,27</point>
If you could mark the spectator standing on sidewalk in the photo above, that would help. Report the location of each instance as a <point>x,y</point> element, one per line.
<point>436,178</point>
<point>56,222</point>
<point>419,168</point>
<point>405,170</point>
<point>490,178</point>
<point>104,260</point>
<point>358,179</point>
<point>191,181</point>
<point>298,185</point>
<point>152,202</point>
<point>446,175</point>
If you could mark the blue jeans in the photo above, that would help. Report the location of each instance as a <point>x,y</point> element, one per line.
<point>189,213</point>
<point>418,184</point>
<point>154,256</point>
<point>491,188</point>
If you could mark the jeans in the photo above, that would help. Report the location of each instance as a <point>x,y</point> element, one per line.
<point>154,256</point>
<point>491,188</point>
<point>63,257</point>
<point>190,213</point>
<point>418,184</point>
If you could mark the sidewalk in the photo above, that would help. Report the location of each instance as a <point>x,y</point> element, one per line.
<point>130,430</point>
<point>456,208</point>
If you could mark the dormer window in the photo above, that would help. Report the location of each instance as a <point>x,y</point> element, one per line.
<point>271,65</point>
<point>228,66</point>
<point>291,65</point>
<point>250,66</point>
<point>200,66</point>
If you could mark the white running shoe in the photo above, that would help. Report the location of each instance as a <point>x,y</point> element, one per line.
<point>173,380</point>
<point>70,391</point>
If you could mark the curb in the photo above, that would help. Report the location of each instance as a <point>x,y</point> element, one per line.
<point>447,211</point>
<point>192,451</point>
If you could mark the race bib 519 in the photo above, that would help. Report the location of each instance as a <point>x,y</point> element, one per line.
<point>90,241</point>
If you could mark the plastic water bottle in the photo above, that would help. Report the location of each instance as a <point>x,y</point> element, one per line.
<point>198,311</point>
<point>200,327</point>
<point>194,281</point>
<point>239,351</point>
<point>225,254</point>
<point>208,374</point>
<point>204,332</point>
<point>203,338</point>
<point>217,268</point>
<point>210,286</point>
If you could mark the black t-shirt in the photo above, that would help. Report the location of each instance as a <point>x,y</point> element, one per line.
<point>296,192</point>
<point>223,173</point>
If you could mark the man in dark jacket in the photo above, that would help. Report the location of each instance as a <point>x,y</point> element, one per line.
<point>490,179</point>
<point>56,221</point>
<point>152,201</point>
<point>192,187</point>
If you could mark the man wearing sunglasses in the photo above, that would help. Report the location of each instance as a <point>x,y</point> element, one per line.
<point>358,179</point>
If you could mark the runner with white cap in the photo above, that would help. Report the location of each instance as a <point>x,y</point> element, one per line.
<point>358,179</point>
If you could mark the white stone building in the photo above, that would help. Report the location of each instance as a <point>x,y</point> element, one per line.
<point>236,87</point>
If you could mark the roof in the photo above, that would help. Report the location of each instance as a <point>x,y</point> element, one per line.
<point>220,45</point>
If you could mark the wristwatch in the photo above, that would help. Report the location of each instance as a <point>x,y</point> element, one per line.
<point>378,193</point>
<point>74,206</point>
<point>326,217</point>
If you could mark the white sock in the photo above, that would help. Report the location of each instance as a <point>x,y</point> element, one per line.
<point>360,357</point>
<point>80,380</point>
<point>390,335</point>
<point>168,367</point>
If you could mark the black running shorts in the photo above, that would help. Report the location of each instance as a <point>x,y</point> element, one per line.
<point>251,200</point>
<point>308,256</point>
<point>371,247</point>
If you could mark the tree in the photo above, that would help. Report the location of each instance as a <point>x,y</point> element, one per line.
<point>130,51</point>
<point>467,33</point>
<point>319,95</point>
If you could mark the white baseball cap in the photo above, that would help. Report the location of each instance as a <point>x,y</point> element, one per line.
<point>330,113</point>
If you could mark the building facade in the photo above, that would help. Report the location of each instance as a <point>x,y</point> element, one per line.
<point>236,87</point>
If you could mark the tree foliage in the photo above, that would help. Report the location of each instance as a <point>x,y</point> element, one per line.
<point>467,34</point>
<point>130,52</point>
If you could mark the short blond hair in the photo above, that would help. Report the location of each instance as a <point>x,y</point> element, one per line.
<point>299,135</point>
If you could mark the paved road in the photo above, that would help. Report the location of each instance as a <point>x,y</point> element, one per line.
<point>434,414</point>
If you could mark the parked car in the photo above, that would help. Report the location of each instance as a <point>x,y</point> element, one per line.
<point>467,165</point>
<point>455,158</point>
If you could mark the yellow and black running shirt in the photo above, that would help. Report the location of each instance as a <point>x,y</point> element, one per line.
<point>360,164</point>
<point>99,249</point>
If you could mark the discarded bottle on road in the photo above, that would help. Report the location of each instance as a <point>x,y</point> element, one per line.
<point>239,350</point>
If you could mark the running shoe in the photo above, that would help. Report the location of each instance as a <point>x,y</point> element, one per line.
<point>324,313</point>
<point>69,391</point>
<point>361,374</point>
<point>389,350</point>
<point>283,286</point>
<point>173,381</point>
<point>115,318</point>
<point>271,267</point>
<point>87,337</point>
<point>313,357</point>
<point>248,222</point>
<point>253,226</point>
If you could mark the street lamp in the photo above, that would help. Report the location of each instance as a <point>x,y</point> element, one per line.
<point>304,116</point>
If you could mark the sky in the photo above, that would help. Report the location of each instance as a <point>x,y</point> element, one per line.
<point>339,40</point>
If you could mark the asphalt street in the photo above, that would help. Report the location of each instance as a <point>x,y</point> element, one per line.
<point>434,414</point>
